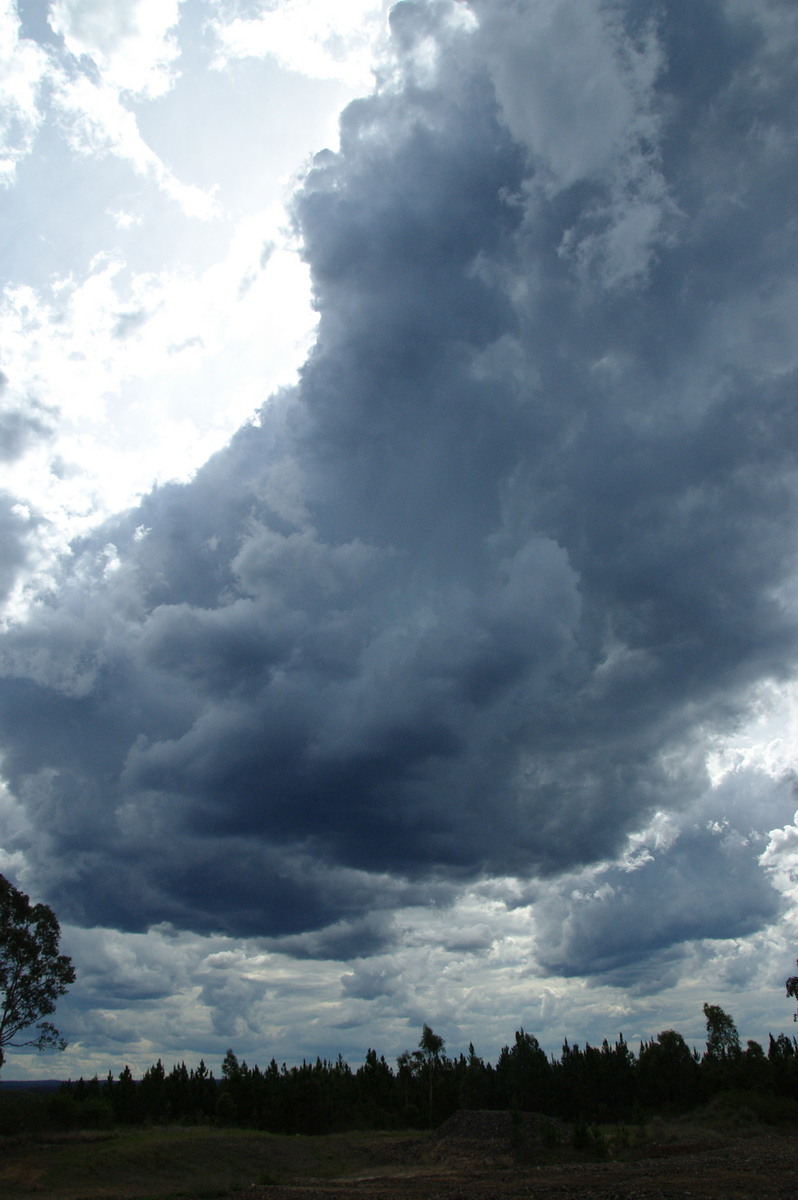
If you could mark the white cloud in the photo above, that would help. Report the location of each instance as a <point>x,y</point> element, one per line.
<point>308,36</point>
<point>23,65</point>
<point>145,375</point>
<point>131,42</point>
<point>14,827</point>
<point>780,861</point>
<point>96,122</point>
<point>767,741</point>
<point>116,52</point>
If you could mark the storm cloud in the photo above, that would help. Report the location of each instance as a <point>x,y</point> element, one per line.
<point>473,598</point>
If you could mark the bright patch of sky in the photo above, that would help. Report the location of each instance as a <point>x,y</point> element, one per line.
<point>153,296</point>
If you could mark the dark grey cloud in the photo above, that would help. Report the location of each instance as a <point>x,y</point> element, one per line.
<point>707,885</point>
<point>16,522</point>
<point>365,935</point>
<point>370,983</point>
<point>692,876</point>
<point>17,430</point>
<point>20,426</point>
<point>469,599</point>
<point>129,322</point>
<point>33,21</point>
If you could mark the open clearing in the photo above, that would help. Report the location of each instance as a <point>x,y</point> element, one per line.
<point>479,1157</point>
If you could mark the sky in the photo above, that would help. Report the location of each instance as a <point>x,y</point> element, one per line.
<point>398,518</point>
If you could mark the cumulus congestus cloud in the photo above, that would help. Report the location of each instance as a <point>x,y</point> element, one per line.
<point>471,598</point>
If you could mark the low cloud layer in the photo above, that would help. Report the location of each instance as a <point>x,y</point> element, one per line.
<point>474,598</point>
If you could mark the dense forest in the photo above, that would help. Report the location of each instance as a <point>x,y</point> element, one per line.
<point>597,1084</point>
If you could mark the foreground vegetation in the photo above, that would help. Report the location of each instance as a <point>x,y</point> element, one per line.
<point>169,1161</point>
<point>198,1163</point>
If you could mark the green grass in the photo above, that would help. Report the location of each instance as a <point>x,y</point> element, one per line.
<point>153,1164</point>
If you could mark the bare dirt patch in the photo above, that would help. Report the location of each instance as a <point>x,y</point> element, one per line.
<point>489,1156</point>
<point>474,1156</point>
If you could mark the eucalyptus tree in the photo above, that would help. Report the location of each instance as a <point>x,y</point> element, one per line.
<point>33,973</point>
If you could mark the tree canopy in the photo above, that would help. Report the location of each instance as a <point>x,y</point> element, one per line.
<point>792,990</point>
<point>33,974</point>
<point>723,1040</point>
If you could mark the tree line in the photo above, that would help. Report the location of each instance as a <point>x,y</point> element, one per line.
<point>597,1084</point>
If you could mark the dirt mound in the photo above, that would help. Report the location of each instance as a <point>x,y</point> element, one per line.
<point>482,1126</point>
<point>764,1167</point>
<point>483,1136</point>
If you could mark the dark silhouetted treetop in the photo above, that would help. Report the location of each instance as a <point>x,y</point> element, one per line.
<point>792,990</point>
<point>723,1040</point>
<point>430,1044</point>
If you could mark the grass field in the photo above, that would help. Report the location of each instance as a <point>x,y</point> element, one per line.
<point>155,1163</point>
